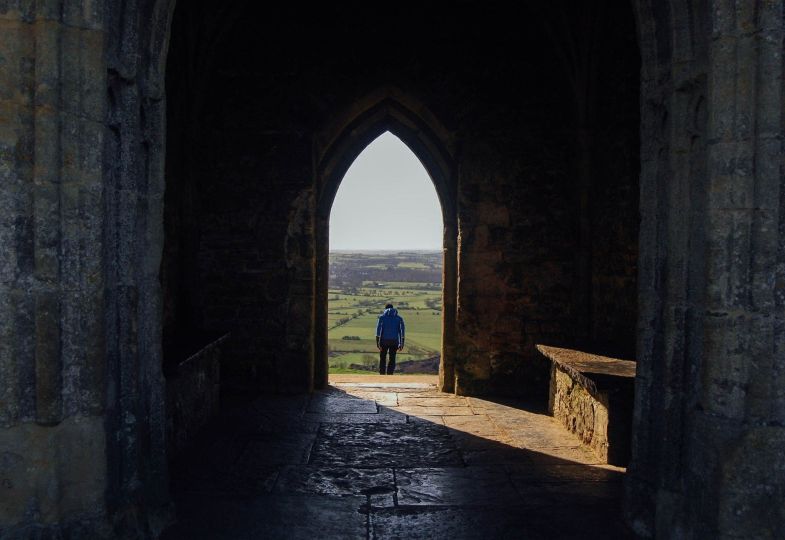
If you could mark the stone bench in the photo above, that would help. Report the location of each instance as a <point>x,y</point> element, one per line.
<point>592,396</point>
<point>192,395</point>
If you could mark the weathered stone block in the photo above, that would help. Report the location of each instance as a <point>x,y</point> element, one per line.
<point>592,396</point>
<point>53,474</point>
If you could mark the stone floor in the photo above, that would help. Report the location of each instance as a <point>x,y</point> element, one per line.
<point>375,457</point>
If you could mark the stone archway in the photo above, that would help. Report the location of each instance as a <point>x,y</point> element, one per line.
<point>386,112</point>
<point>710,270</point>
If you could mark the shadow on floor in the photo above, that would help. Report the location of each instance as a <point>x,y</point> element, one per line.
<point>365,461</point>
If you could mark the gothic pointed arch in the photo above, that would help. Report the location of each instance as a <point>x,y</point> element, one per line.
<point>348,137</point>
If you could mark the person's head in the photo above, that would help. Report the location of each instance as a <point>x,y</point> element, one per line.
<point>388,306</point>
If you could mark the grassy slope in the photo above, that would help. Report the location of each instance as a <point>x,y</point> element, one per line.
<point>423,326</point>
<point>423,323</point>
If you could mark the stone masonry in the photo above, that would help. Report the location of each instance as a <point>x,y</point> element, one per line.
<point>371,458</point>
<point>592,396</point>
<point>611,180</point>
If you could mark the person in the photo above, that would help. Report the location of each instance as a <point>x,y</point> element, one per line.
<point>390,335</point>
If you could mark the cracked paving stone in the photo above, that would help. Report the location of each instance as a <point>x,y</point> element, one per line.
<point>337,481</point>
<point>384,445</point>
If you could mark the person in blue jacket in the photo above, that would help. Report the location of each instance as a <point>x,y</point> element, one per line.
<point>390,335</point>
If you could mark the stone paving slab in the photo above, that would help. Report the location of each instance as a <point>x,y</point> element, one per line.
<point>467,442</point>
<point>338,379</point>
<point>212,458</point>
<point>272,516</point>
<point>576,454</point>
<point>560,472</point>
<point>456,486</point>
<point>390,456</point>
<point>457,523</point>
<point>438,420</point>
<point>229,484</point>
<point>387,387</point>
<point>280,449</point>
<point>433,401</point>
<point>494,455</point>
<point>358,465</point>
<point>339,481</point>
<point>341,405</point>
<point>587,493</point>
<point>434,411</point>
<point>477,425</point>
<point>383,417</point>
<point>389,399</point>
<point>384,445</point>
<point>278,403</point>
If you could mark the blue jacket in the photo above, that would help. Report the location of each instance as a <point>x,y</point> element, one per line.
<point>390,326</point>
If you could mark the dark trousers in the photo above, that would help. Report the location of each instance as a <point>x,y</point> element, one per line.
<point>390,345</point>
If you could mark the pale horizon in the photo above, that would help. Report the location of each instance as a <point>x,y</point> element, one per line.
<point>386,202</point>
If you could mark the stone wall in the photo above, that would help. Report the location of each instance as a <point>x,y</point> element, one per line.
<point>592,396</point>
<point>193,395</point>
<point>516,263</point>
<point>81,178</point>
<point>248,140</point>
<point>82,102</point>
<point>581,413</point>
<point>710,340</point>
<point>238,210</point>
<point>51,270</point>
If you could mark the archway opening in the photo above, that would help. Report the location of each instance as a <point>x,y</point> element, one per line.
<point>386,234</point>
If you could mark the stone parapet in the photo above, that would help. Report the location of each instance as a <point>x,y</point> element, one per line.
<point>592,396</point>
<point>192,395</point>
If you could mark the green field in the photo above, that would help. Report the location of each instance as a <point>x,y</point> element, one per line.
<point>353,309</point>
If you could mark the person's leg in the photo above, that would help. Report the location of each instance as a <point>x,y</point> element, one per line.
<point>391,364</point>
<point>382,359</point>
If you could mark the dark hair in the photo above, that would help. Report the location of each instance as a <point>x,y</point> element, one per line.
<point>388,306</point>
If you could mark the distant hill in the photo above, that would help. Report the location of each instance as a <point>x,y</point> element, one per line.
<point>354,269</point>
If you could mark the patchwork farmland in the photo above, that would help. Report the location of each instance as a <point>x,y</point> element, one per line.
<point>361,283</point>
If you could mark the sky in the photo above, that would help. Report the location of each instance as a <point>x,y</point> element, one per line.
<point>386,201</point>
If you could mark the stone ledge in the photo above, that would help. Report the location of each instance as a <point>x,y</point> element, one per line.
<point>595,372</point>
<point>193,395</point>
<point>592,396</point>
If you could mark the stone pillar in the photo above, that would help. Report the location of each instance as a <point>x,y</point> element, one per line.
<point>709,408</point>
<point>81,181</point>
<point>449,306</point>
<point>52,392</point>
